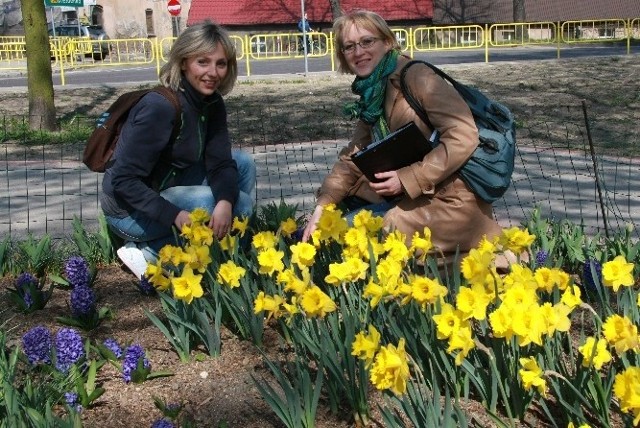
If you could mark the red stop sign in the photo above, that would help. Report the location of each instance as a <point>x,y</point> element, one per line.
<point>174,7</point>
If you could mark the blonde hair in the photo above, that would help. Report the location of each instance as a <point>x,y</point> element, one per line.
<point>200,39</point>
<point>367,20</point>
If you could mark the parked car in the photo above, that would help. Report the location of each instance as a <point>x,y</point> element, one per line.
<point>99,48</point>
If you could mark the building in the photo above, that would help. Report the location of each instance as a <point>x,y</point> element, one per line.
<point>283,15</point>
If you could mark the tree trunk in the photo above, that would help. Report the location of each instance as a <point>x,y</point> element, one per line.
<point>519,14</point>
<point>42,110</point>
<point>336,9</point>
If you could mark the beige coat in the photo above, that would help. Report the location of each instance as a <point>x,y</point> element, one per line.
<point>435,196</point>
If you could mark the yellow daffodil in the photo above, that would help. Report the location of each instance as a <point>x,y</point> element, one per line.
<point>461,340</point>
<point>197,257</point>
<point>155,275</point>
<point>395,245</point>
<point>473,302</point>
<point>350,270</point>
<point>501,321</point>
<point>366,345</point>
<point>288,226</point>
<point>531,376</point>
<point>198,234</point>
<point>199,216</point>
<point>421,243</point>
<point>187,286</point>
<point>390,368</point>
<point>240,225</point>
<point>374,292</point>
<point>617,272</point>
<point>230,274</point>
<point>270,261</point>
<point>366,221</point>
<point>572,296</point>
<point>516,239</point>
<point>594,353</point>
<point>549,278</point>
<point>171,254</point>
<point>228,243</point>
<point>426,291</point>
<point>477,265</point>
<point>448,321</point>
<point>331,224</point>
<point>272,305</point>
<point>303,254</point>
<point>626,387</point>
<point>264,240</point>
<point>621,333</point>
<point>315,303</point>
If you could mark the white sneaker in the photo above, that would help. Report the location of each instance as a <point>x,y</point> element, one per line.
<point>133,258</point>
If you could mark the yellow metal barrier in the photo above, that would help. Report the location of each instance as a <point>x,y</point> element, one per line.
<point>448,38</point>
<point>286,45</point>
<point>521,34</point>
<point>74,52</point>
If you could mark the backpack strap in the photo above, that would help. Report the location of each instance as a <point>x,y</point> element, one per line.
<point>411,100</point>
<point>172,97</point>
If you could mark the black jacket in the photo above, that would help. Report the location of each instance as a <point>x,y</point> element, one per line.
<point>145,162</point>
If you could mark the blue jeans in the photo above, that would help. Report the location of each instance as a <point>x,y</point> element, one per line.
<point>194,192</point>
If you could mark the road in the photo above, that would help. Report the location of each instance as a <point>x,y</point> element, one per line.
<point>115,75</point>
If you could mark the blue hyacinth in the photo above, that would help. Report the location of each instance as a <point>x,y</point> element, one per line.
<point>131,358</point>
<point>69,349</point>
<point>113,346</point>
<point>36,344</point>
<point>77,271</point>
<point>146,287</point>
<point>24,280</point>
<point>163,423</point>
<point>541,257</point>
<point>591,269</point>
<point>83,301</point>
<point>71,398</point>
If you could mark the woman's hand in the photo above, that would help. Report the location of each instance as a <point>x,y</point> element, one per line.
<point>181,219</point>
<point>311,225</point>
<point>221,219</point>
<point>390,184</point>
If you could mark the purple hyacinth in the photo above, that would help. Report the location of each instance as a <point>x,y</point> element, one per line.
<point>83,301</point>
<point>591,269</point>
<point>146,287</point>
<point>113,346</point>
<point>71,398</point>
<point>131,358</point>
<point>69,349</point>
<point>541,257</point>
<point>77,271</point>
<point>24,280</point>
<point>163,423</point>
<point>36,344</point>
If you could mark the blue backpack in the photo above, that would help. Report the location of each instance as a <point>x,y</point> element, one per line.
<point>488,171</point>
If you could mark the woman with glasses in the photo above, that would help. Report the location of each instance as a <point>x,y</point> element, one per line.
<point>428,193</point>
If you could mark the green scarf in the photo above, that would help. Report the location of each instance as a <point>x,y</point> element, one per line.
<point>371,89</point>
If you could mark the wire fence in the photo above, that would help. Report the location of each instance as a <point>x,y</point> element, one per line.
<point>45,187</point>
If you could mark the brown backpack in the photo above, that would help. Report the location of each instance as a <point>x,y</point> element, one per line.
<point>102,141</point>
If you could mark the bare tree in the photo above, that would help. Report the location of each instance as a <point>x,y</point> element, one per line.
<point>519,14</point>
<point>42,110</point>
<point>336,9</point>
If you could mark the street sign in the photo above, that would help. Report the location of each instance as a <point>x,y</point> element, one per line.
<point>174,7</point>
<point>71,3</point>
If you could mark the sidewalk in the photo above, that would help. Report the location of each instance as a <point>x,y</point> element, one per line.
<point>44,196</point>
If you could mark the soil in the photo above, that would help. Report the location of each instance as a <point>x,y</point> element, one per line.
<point>219,391</point>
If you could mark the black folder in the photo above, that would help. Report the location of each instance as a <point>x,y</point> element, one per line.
<point>398,149</point>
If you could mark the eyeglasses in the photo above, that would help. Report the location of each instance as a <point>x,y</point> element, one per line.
<point>366,43</point>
